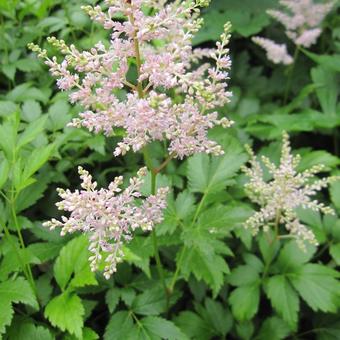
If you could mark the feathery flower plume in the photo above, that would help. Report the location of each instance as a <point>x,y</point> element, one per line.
<point>277,53</point>
<point>159,44</point>
<point>109,216</point>
<point>302,19</point>
<point>283,193</point>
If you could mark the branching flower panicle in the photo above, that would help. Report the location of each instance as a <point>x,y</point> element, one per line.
<point>302,19</point>
<point>287,190</point>
<point>109,216</point>
<point>159,43</point>
<point>277,53</point>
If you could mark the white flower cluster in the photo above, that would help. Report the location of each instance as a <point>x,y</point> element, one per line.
<point>283,193</point>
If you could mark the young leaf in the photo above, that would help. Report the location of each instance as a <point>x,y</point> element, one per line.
<point>335,252</point>
<point>66,312</point>
<point>284,299</point>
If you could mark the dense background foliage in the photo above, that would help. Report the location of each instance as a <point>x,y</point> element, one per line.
<point>229,284</point>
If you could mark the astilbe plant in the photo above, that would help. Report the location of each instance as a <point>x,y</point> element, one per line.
<point>283,193</point>
<point>302,21</point>
<point>155,37</point>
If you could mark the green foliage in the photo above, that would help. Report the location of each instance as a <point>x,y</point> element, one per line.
<point>221,281</point>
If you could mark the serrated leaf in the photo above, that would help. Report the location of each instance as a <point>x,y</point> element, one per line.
<point>4,170</point>
<point>18,290</point>
<point>112,298</point>
<point>334,250</point>
<point>244,301</point>
<point>150,302</point>
<point>291,257</point>
<point>318,286</point>
<point>31,131</point>
<point>73,259</point>
<point>24,329</point>
<point>119,327</point>
<point>6,315</point>
<point>44,251</point>
<point>193,325</point>
<point>66,312</point>
<point>284,299</point>
<point>211,174</point>
<point>219,317</point>
<point>208,267</point>
<point>274,328</point>
<point>37,159</point>
<point>243,275</point>
<point>31,110</point>
<point>161,328</point>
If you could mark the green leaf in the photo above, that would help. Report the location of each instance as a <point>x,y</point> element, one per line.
<point>18,290</point>
<point>220,318</point>
<point>112,298</point>
<point>243,275</point>
<point>4,170</point>
<point>6,315</point>
<point>37,159</point>
<point>284,299</point>
<point>274,329</point>
<point>66,312</point>
<point>318,286</point>
<point>7,108</point>
<point>31,110</point>
<point>316,158</point>
<point>73,259</point>
<point>25,329</point>
<point>244,301</point>
<point>44,251</point>
<point>31,132</point>
<point>120,326</point>
<point>335,252</point>
<point>212,174</point>
<point>159,327</point>
<point>291,257</point>
<point>150,302</point>
<point>193,325</point>
<point>207,266</point>
<point>335,193</point>
<point>59,114</point>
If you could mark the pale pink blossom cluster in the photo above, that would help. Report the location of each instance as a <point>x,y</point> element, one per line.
<point>302,20</point>
<point>287,190</point>
<point>277,53</point>
<point>109,216</point>
<point>158,41</point>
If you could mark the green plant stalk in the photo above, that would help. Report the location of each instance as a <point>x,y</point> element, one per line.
<point>148,162</point>
<point>27,267</point>
<point>156,248</point>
